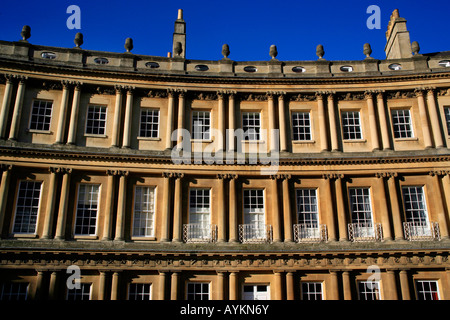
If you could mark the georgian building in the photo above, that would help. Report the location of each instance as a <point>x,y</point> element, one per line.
<point>170,178</point>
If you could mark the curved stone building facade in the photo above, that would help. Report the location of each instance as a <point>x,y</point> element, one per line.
<point>169,178</point>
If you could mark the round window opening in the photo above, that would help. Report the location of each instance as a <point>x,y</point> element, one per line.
<point>444,63</point>
<point>395,66</point>
<point>152,65</point>
<point>298,69</point>
<point>250,69</point>
<point>347,69</point>
<point>201,67</point>
<point>101,61</point>
<point>48,55</point>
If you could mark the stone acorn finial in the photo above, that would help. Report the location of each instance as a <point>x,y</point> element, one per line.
<point>26,33</point>
<point>225,51</point>
<point>273,51</point>
<point>415,48</point>
<point>178,49</point>
<point>78,39</point>
<point>367,50</point>
<point>128,44</point>
<point>320,52</point>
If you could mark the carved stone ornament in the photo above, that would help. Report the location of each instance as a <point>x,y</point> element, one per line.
<point>320,52</point>
<point>273,52</point>
<point>178,49</point>
<point>367,50</point>
<point>128,44</point>
<point>415,48</point>
<point>225,51</point>
<point>26,33</point>
<point>78,39</point>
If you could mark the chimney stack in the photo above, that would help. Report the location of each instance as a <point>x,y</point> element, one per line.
<point>179,37</point>
<point>398,43</point>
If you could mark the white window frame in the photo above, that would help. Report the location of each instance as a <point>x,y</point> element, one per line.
<point>145,292</point>
<point>421,294</point>
<point>423,217</point>
<point>251,132</point>
<point>370,288</point>
<point>298,128</point>
<point>302,205</point>
<point>407,132</point>
<point>447,118</point>
<point>201,130</point>
<point>149,131</point>
<point>95,106</point>
<point>33,207</point>
<point>353,131</point>
<point>255,293</point>
<point>97,209</point>
<point>196,285</point>
<point>255,216</point>
<point>80,292</point>
<point>45,116</point>
<point>363,213</point>
<point>14,291</point>
<point>202,212</point>
<point>148,214</point>
<point>311,293</point>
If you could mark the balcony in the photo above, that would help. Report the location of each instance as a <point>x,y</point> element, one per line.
<point>307,232</point>
<point>420,231</point>
<point>199,233</point>
<point>365,232</point>
<point>251,233</point>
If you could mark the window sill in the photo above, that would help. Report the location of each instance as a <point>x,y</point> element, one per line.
<point>303,141</point>
<point>90,135</point>
<point>39,131</point>
<point>406,139</point>
<point>254,141</point>
<point>25,235</point>
<point>82,237</point>
<point>355,141</point>
<point>143,238</point>
<point>201,141</point>
<point>148,139</point>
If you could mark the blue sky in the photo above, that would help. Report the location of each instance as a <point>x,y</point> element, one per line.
<point>249,27</point>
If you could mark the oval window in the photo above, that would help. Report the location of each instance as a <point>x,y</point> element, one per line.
<point>152,65</point>
<point>347,69</point>
<point>48,55</point>
<point>101,61</point>
<point>395,66</point>
<point>298,69</point>
<point>444,63</point>
<point>201,67</point>
<point>250,69</point>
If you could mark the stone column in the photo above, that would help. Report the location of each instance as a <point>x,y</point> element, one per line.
<point>53,285</point>
<point>232,208</point>
<point>329,215</point>
<point>115,286</point>
<point>332,123</point>
<point>446,188</point>
<point>181,122</point>
<point>174,286</point>
<point>385,222</point>
<point>117,114</point>
<point>234,286</point>
<point>404,284</point>
<point>4,187</point>
<point>386,143</point>
<point>275,209</point>
<point>40,285</point>
<point>221,208</point>
<point>169,128</point>
<point>282,122</point>
<point>109,208</point>
<point>72,136</point>
<point>231,121</point>
<point>221,121</point>
<point>166,208</point>
<point>271,116</point>
<point>341,214</point>
<point>423,118</point>
<point>288,233</point>
<point>322,122</point>
<point>63,111</point>
<point>333,290</point>
<point>128,122</point>
<point>177,209</point>
<point>278,285</point>
<point>63,205</point>
<point>346,284</point>
<point>372,121</point>
<point>390,286</point>
<point>102,285</point>
<point>162,285</point>
<point>435,123</point>
<point>51,198</point>
<point>5,104</point>
<point>121,206</point>
<point>15,122</point>
<point>290,286</point>
<point>440,212</point>
<point>220,285</point>
<point>395,208</point>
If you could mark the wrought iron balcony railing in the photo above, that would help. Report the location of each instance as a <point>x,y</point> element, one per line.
<point>251,233</point>
<point>365,231</point>
<point>417,231</point>
<point>306,232</point>
<point>196,232</point>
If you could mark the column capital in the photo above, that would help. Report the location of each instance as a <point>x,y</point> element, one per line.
<point>175,175</point>
<point>6,167</point>
<point>10,78</point>
<point>387,175</point>
<point>112,172</point>
<point>123,173</point>
<point>67,84</point>
<point>319,95</point>
<point>231,93</point>
<point>419,91</point>
<point>181,93</point>
<point>119,88</point>
<point>130,89</point>
<point>270,94</point>
<point>281,176</point>
<point>78,85</point>
<point>333,176</point>
<point>221,93</point>
<point>61,170</point>
<point>439,172</point>
<point>368,94</point>
<point>22,79</point>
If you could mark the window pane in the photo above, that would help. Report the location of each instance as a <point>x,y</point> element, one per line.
<point>369,290</point>
<point>41,115</point>
<point>311,291</point>
<point>96,120</point>
<point>201,125</point>
<point>447,118</point>
<point>361,206</point>
<point>401,120</point>
<point>307,210</point>
<point>144,212</point>
<point>427,290</point>
<point>139,291</point>
<point>251,125</point>
<point>87,206</point>
<point>13,291</point>
<point>351,125</point>
<point>415,206</point>
<point>83,293</point>
<point>27,207</point>
<point>149,123</point>
<point>301,126</point>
